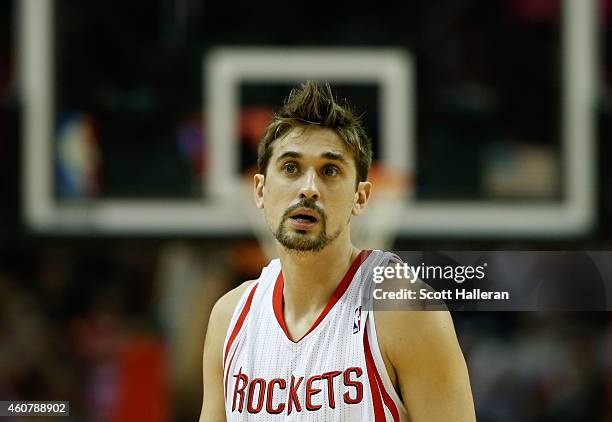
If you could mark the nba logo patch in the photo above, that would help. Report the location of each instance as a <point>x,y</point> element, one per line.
<point>357,320</point>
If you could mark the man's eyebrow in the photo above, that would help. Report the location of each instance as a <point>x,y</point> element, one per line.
<point>328,155</point>
<point>288,154</point>
<point>334,156</point>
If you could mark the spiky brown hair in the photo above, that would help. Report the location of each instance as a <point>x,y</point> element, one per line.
<point>314,105</point>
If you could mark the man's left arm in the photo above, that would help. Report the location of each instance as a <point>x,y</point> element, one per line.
<point>431,372</point>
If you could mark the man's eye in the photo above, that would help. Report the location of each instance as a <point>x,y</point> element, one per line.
<point>290,168</point>
<point>330,171</point>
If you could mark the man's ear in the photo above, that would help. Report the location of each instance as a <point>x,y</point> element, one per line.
<point>258,190</point>
<point>362,196</point>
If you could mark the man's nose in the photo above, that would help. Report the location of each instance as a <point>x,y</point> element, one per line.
<point>309,187</point>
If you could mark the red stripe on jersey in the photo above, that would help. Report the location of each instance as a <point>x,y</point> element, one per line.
<point>239,323</point>
<point>227,370</point>
<point>387,398</point>
<point>371,365</point>
<point>277,297</point>
<point>379,411</point>
<point>277,302</point>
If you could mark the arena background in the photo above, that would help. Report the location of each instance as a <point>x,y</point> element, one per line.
<point>110,312</point>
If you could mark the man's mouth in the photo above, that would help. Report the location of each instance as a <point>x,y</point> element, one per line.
<point>304,218</point>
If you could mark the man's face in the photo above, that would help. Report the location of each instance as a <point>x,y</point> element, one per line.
<point>309,191</point>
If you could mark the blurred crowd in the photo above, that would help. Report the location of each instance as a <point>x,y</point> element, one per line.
<point>115,329</point>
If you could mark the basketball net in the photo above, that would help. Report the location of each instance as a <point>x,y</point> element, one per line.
<point>375,228</point>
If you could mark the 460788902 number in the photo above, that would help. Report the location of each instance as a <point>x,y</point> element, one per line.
<point>34,408</point>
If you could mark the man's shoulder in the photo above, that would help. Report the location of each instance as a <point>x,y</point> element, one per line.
<point>411,339</point>
<point>224,307</point>
<point>402,324</point>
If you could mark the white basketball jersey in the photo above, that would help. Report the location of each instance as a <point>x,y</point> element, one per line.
<point>335,372</point>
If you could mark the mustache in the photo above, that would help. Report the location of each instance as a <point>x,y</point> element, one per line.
<point>304,203</point>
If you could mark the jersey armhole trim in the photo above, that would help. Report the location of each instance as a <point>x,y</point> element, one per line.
<point>229,366</point>
<point>376,388</point>
<point>239,322</point>
<point>389,394</point>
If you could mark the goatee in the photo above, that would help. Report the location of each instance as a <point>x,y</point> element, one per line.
<point>301,240</point>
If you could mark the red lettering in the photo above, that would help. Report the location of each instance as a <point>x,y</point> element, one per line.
<point>260,401</point>
<point>240,390</point>
<point>312,392</point>
<point>281,406</point>
<point>293,397</point>
<point>330,386</point>
<point>258,391</point>
<point>348,382</point>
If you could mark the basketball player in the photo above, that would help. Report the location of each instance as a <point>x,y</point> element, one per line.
<point>299,343</point>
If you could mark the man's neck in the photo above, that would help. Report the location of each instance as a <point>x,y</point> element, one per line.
<point>310,278</point>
